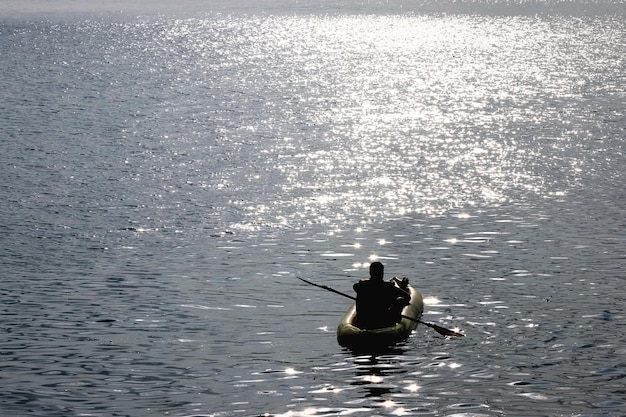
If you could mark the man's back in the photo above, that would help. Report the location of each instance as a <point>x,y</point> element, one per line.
<point>377,303</point>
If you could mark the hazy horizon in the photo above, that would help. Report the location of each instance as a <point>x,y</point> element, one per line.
<point>16,8</point>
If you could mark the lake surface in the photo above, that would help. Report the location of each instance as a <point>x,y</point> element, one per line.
<point>168,173</point>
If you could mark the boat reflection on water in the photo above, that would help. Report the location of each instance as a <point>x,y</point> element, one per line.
<point>390,381</point>
<point>378,373</point>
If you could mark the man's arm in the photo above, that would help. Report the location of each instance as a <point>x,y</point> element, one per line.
<point>403,296</point>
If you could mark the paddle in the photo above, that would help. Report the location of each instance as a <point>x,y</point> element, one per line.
<point>441,330</point>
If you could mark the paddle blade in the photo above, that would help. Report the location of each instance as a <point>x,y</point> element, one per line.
<point>443,331</point>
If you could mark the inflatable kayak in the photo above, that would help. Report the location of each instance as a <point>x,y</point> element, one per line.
<point>351,336</point>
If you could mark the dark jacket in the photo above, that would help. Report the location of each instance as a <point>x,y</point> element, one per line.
<point>379,303</point>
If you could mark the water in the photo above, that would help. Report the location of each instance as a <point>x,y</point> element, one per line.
<point>169,172</point>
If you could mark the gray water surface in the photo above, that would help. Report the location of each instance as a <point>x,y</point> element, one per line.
<point>167,177</point>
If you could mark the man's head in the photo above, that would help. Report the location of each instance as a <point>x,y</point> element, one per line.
<point>377,271</point>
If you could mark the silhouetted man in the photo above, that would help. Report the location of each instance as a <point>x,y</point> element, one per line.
<point>378,303</point>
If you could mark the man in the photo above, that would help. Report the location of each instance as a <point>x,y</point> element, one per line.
<point>378,303</point>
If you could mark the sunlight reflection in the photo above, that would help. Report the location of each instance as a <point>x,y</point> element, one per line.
<point>431,301</point>
<point>374,379</point>
<point>290,371</point>
<point>389,403</point>
<point>307,412</point>
<point>393,138</point>
<point>413,387</point>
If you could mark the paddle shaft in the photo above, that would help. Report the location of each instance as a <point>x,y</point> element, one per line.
<point>350,297</point>
<point>441,330</point>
